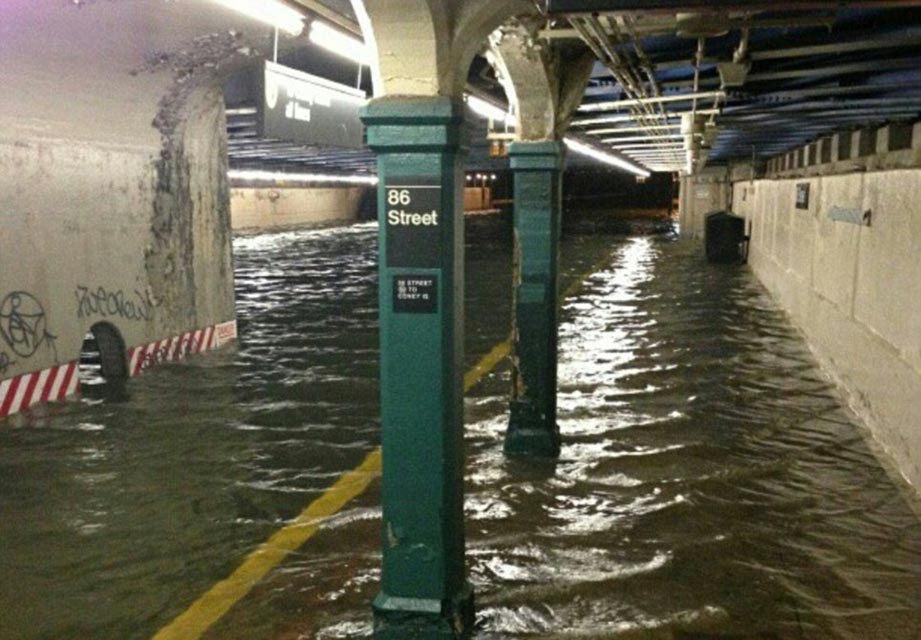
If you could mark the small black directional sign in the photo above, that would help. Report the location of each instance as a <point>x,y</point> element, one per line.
<point>415,294</point>
<point>414,220</point>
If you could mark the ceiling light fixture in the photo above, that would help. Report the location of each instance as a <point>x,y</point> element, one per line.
<point>253,175</point>
<point>493,112</point>
<point>489,110</point>
<point>334,41</point>
<point>605,158</point>
<point>271,12</point>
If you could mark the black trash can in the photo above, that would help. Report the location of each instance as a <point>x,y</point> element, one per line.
<point>725,239</point>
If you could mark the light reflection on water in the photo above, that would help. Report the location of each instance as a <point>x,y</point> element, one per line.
<point>710,481</point>
<point>688,501</point>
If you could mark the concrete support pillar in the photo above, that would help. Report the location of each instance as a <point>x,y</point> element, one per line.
<point>538,204</point>
<point>418,142</point>
<point>546,88</point>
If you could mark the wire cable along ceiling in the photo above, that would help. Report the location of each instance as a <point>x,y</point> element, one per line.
<point>683,84</point>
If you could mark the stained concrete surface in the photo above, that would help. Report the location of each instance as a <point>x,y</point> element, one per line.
<point>855,291</point>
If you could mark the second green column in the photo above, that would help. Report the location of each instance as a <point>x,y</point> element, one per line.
<point>537,167</point>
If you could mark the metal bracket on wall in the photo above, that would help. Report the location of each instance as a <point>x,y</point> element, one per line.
<point>852,216</point>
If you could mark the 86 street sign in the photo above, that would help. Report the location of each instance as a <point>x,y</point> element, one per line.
<point>413,222</point>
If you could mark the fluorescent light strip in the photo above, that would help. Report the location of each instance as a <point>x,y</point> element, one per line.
<point>604,158</point>
<point>679,97</point>
<point>271,12</point>
<point>650,131</point>
<point>643,147</point>
<point>335,41</point>
<point>676,136</point>
<point>254,175</point>
<point>489,110</point>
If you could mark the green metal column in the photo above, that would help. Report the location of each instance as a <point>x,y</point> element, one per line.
<point>420,153</point>
<point>538,170</point>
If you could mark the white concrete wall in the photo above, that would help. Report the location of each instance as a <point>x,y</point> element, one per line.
<point>699,195</point>
<point>114,201</point>
<point>855,291</point>
<point>264,208</point>
<point>60,232</point>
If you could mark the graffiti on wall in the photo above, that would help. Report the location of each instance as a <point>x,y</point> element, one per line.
<point>23,325</point>
<point>101,302</point>
<point>5,363</point>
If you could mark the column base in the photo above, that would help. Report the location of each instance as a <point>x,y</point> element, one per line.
<point>530,433</point>
<point>398,618</point>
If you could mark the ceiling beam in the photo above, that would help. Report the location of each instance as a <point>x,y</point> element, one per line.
<point>866,66</point>
<point>800,52</point>
<point>816,92</point>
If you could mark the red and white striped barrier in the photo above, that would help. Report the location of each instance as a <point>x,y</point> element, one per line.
<point>178,347</point>
<point>19,393</point>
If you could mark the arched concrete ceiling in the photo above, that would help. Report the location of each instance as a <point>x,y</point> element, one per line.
<point>543,83</point>
<point>425,47</point>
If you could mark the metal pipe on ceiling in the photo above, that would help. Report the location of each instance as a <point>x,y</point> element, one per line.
<point>813,72</point>
<point>630,25</point>
<point>820,116</point>
<point>823,105</point>
<point>895,42</point>
<point>698,59</point>
<point>648,145</point>
<point>836,90</point>
<point>826,20</point>
<point>671,115</point>
<point>617,130</point>
<point>676,136</point>
<point>837,47</point>
<point>622,69</point>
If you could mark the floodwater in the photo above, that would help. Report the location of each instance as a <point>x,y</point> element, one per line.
<point>711,485</point>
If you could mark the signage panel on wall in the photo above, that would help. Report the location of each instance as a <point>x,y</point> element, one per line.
<point>802,195</point>
<point>415,294</point>
<point>302,108</point>
<point>414,221</point>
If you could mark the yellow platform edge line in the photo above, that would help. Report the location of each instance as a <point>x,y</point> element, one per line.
<point>217,601</point>
<point>211,607</point>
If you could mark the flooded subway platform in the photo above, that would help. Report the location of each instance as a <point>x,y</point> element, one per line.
<point>711,482</point>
